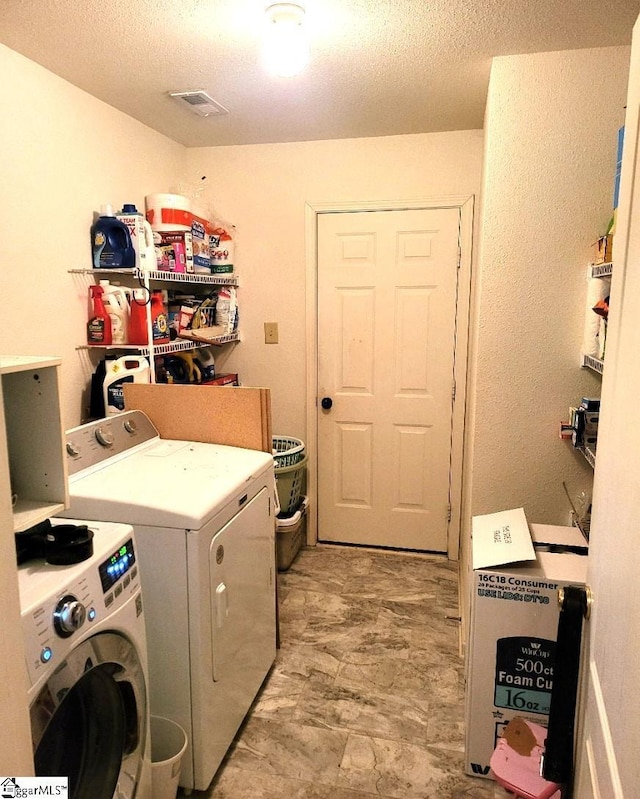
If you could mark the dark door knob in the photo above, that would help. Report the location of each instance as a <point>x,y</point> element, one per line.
<point>326,403</point>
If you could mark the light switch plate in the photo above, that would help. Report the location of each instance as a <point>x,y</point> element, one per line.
<point>270,332</point>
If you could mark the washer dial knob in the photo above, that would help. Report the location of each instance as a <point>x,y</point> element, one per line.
<point>68,616</point>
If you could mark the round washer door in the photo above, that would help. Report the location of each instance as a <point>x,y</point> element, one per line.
<point>89,721</point>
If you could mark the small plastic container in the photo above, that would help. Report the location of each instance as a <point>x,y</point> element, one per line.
<point>168,745</point>
<point>290,535</point>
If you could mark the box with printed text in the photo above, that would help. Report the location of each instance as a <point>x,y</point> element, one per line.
<point>517,571</point>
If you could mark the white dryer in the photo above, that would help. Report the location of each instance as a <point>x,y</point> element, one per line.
<point>204,520</point>
<point>86,653</point>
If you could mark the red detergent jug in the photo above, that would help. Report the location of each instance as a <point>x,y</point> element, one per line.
<point>99,324</point>
<point>138,333</point>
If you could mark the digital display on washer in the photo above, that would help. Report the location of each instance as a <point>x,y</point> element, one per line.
<point>117,565</point>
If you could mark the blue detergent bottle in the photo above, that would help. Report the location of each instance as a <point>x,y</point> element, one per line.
<point>111,245</point>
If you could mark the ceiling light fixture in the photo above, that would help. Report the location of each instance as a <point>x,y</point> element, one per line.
<point>286,46</point>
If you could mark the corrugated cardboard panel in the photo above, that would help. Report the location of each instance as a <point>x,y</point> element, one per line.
<point>236,416</point>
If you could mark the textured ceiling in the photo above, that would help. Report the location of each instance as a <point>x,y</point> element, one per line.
<point>378,67</point>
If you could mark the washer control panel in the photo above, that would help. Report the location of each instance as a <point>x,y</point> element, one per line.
<point>74,607</point>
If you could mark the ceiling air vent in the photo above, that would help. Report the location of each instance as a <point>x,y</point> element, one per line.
<point>200,103</point>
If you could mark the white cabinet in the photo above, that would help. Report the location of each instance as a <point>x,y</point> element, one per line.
<point>32,421</point>
<point>200,284</point>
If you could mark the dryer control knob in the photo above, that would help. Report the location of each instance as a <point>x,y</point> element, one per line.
<point>68,616</point>
<point>104,437</point>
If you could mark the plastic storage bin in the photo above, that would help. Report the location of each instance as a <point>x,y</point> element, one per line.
<point>290,535</point>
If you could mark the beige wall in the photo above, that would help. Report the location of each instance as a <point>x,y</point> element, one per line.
<point>263,189</point>
<point>550,149</point>
<point>551,127</point>
<point>64,154</point>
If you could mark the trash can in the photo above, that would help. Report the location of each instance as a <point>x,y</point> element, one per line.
<point>168,744</point>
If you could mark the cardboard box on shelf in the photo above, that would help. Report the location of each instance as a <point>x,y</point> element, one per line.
<point>603,249</point>
<point>200,244</point>
<point>167,238</point>
<point>517,571</point>
<point>223,380</point>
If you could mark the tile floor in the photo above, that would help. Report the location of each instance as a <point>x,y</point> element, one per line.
<point>366,698</point>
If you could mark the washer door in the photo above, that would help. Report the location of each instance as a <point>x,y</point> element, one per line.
<point>89,722</point>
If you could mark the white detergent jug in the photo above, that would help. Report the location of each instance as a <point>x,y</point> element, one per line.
<point>141,237</point>
<point>148,256</point>
<point>128,369</point>
<point>116,303</point>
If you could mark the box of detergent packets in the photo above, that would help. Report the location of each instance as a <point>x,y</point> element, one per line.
<point>517,571</point>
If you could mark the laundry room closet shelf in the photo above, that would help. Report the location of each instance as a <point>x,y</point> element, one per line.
<point>165,277</point>
<point>593,363</point>
<point>589,455</point>
<point>164,349</point>
<point>601,270</point>
<point>168,280</point>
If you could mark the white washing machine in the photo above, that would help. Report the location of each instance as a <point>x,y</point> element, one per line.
<point>204,521</point>
<point>86,653</point>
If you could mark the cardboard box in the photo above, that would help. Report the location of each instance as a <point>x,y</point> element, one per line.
<point>200,243</point>
<point>517,570</point>
<point>223,380</point>
<point>603,249</point>
<point>166,238</point>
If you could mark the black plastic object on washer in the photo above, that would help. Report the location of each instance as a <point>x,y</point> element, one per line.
<point>59,545</point>
<point>68,543</point>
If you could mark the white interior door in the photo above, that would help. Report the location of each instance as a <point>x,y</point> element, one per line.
<point>608,763</point>
<point>387,292</point>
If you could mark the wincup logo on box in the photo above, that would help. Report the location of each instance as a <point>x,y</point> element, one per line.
<point>17,787</point>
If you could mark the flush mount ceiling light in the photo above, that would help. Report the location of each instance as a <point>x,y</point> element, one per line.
<point>286,47</point>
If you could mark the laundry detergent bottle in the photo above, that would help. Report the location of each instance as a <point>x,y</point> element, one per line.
<point>99,323</point>
<point>159,319</point>
<point>117,306</point>
<point>128,369</point>
<point>138,332</point>
<point>141,237</point>
<point>111,246</point>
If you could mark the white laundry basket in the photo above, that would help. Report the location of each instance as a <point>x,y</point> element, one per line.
<point>168,745</point>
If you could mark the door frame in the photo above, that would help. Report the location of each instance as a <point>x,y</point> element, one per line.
<point>465,206</point>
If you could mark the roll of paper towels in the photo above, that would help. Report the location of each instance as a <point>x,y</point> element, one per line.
<point>168,211</point>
